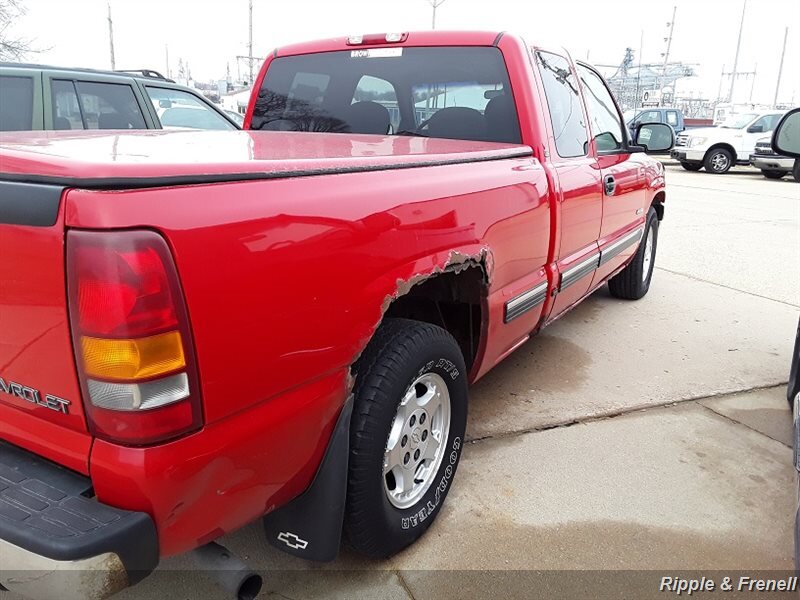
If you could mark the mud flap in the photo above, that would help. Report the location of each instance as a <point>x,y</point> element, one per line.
<point>310,526</point>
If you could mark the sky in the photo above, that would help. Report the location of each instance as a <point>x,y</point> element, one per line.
<point>209,34</point>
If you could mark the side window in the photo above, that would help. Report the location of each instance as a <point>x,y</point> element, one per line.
<point>109,106</point>
<point>604,118</point>
<point>672,118</point>
<point>16,103</point>
<point>66,111</point>
<point>774,122</point>
<point>379,91</point>
<point>649,116</point>
<point>769,122</point>
<point>566,116</point>
<point>182,110</point>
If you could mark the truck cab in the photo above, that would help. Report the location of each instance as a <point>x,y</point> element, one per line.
<point>718,149</point>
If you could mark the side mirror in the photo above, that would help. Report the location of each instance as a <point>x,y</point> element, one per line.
<point>786,138</point>
<point>755,129</point>
<point>654,137</point>
<point>165,103</point>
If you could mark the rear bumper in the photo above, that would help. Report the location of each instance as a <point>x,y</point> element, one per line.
<point>55,542</point>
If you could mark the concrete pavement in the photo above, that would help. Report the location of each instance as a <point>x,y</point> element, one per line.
<point>628,435</point>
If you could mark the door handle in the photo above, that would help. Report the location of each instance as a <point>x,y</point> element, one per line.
<point>609,184</point>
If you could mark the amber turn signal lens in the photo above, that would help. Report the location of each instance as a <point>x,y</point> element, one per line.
<point>133,359</point>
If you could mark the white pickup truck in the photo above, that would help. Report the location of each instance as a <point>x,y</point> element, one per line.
<point>719,148</point>
<point>771,164</point>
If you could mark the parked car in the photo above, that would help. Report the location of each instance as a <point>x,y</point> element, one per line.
<point>282,324</point>
<point>717,149</point>
<point>771,165</point>
<point>36,97</point>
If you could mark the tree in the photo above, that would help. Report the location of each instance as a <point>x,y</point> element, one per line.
<point>12,48</point>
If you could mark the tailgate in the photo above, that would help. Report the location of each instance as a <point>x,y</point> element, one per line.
<point>40,400</point>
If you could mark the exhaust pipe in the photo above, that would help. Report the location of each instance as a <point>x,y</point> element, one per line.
<point>228,572</point>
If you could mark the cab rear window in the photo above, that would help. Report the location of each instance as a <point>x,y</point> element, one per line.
<point>448,92</point>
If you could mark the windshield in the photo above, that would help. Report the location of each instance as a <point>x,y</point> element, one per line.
<point>447,92</point>
<point>738,121</point>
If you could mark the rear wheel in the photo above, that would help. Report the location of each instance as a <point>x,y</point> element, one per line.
<point>773,174</point>
<point>718,161</point>
<point>633,281</point>
<point>796,171</point>
<point>692,166</point>
<point>406,434</point>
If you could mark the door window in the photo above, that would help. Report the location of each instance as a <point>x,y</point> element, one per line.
<point>767,122</point>
<point>177,109</point>
<point>16,103</point>
<point>66,110</point>
<point>604,118</point>
<point>109,106</point>
<point>563,101</point>
<point>648,116</point>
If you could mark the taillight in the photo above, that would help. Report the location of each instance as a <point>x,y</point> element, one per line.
<point>131,337</point>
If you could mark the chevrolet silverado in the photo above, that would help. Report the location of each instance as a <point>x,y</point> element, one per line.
<point>203,329</point>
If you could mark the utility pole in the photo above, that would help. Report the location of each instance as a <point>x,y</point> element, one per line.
<point>736,56</point>
<point>669,44</point>
<point>639,70</point>
<point>111,37</point>
<point>780,68</point>
<point>250,43</point>
<point>435,4</point>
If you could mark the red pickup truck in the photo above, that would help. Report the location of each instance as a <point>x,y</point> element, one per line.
<point>202,329</point>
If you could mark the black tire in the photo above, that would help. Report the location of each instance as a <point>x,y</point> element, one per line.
<point>400,352</point>
<point>632,282</point>
<point>773,174</point>
<point>718,161</point>
<point>796,170</point>
<point>692,166</point>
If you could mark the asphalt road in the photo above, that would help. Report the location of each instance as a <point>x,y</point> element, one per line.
<point>627,436</point>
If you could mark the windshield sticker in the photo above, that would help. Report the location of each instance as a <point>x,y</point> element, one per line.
<point>376,53</point>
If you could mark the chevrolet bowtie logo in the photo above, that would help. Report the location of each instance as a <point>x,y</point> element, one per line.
<point>292,540</point>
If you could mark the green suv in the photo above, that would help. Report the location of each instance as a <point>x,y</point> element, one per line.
<point>36,97</point>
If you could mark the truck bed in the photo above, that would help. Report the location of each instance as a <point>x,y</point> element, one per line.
<point>153,158</point>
